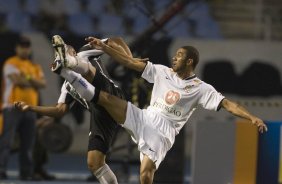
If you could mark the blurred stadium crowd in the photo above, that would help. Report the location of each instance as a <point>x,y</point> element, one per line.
<point>88,17</point>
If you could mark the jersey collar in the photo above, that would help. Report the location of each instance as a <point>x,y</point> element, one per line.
<point>190,77</point>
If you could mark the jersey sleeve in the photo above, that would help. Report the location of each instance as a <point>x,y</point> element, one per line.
<point>151,71</point>
<point>210,99</point>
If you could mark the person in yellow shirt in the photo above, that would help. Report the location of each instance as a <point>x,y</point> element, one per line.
<point>21,81</point>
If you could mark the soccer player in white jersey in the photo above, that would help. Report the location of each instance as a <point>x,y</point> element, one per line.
<point>177,92</point>
<point>102,125</point>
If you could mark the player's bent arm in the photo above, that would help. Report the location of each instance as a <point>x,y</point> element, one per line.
<point>38,83</point>
<point>19,80</point>
<point>236,109</point>
<point>53,111</point>
<point>240,111</point>
<point>129,62</point>
<point>22,81</point>
<point>119,44</point>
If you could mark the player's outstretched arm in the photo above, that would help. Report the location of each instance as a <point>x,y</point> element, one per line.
<point>53,111</point>
<point>240,111</point>
<point>120,45</point>
<point>129,62</point>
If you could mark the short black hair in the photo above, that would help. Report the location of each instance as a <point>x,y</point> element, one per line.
<point>192,53</point>
<point>23,41</point>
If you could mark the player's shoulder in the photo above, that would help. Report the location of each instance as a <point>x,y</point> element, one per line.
<point>159,67</point>
<point>198,82</point>
<point>204,85</point>
<point>12,61</point>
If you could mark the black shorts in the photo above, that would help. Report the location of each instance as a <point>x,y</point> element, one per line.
<point>102,125</point>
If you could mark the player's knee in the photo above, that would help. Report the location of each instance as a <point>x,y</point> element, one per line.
<point>94,165</point>
<point>146,176</point>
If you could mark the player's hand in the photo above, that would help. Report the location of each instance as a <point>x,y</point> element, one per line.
<point>95,42</point>
<point>22,106</point>
<point>260,124</point>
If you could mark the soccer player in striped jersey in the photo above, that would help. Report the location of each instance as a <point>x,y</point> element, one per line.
<point>102,125</point>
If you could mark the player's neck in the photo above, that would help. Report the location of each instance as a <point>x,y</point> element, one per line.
<point>185,75</point>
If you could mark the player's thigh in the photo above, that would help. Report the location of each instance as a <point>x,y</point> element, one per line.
<point>91,73</point>
<point>115,106</point>
<point>147,166</point>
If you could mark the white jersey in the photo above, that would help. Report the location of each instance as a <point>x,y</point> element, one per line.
<point>175,98</point>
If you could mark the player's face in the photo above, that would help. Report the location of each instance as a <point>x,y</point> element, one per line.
<point>179,60</point>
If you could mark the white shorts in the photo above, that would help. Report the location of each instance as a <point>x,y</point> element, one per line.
<point>153,134</point>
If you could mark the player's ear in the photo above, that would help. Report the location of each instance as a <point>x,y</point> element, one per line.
<point>190,62</point>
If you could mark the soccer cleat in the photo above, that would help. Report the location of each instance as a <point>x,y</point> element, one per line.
<point>60,48</point>
<point>56,66</point>
<point>64,52</point>
<point>71,90</point>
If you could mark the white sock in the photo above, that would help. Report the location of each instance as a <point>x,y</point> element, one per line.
<point>82,86</point>
<point>105,175</point>
<point>78,64</point>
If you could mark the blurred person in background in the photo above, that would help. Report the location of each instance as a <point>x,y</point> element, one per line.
<point>40,154</point>
<point>102,125</point>
<point>22,79</point>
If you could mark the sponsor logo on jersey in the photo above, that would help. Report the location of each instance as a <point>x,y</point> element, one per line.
<point>172,97</point>
<point>196,82</point>
<point>83,83</point>
<point>188,88</point>
<point>169,110</point>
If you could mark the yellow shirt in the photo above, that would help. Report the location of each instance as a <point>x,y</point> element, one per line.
<point>11,92</point>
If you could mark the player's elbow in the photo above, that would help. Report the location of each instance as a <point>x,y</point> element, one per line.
<point>230,106</point>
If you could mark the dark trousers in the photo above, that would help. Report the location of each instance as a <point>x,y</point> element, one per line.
<point>22,123</point>
<point>40,155</point>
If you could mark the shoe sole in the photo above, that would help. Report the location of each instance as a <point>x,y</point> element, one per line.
<point>59,46</point>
